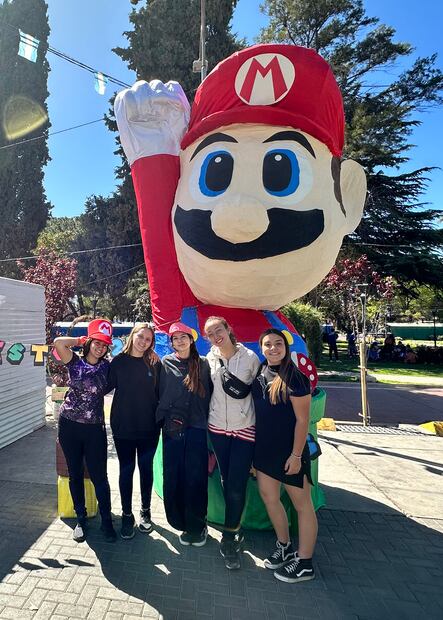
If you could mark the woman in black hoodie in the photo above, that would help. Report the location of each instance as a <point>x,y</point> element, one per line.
<point>135,376</point>
<point>185,392</point>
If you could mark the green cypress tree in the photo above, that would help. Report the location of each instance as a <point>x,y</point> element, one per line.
<point>380,116</point>
<point>24,208</point>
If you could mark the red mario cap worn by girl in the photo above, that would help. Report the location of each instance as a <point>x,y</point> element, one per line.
<point>100,329</point>
<point>284,85</point>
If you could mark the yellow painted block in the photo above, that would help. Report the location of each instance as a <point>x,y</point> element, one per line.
<point>434,427</point>
<point>58,394</point>
<point>326,424</point>
<point>65,505</point>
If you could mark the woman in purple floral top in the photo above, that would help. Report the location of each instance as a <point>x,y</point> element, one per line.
<point>81,431</point>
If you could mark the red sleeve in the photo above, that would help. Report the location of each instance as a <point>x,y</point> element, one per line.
<point>155,181</point>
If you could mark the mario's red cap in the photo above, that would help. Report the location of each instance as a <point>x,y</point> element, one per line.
<point>283,85</point>
<point>180,327</point>
<point>100,329</point>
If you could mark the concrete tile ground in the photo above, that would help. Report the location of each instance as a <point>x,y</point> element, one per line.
<point>372,561</point>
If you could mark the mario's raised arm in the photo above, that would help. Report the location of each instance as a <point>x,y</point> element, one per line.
<point>152,119</point>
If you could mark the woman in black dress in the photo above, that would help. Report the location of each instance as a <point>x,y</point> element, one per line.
<point>282,401</point>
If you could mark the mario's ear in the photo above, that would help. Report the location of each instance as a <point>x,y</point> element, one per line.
<point>353,192</point>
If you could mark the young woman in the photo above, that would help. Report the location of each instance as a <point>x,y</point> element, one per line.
<point>231,426</point>
<point>282,401</point>
<point>81,429</point>
<point>185,391</point>
<point>135,376</point>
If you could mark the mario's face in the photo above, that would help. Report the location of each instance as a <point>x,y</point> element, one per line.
<point>260,214</point>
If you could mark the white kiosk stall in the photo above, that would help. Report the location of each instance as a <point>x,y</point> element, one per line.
<point>22,384</point>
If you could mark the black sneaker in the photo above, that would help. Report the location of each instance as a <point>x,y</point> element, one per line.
<point>240,537</point>
<point>230,550</point>
<point>281,556</point>
<point>196,540</point>
<point>80,531</point>
<point>127,531</point>
<point>297,570</point>
<point>108,530</point>
<point>145,526</point>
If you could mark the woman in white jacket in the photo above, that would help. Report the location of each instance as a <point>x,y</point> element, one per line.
<point>231,426</point>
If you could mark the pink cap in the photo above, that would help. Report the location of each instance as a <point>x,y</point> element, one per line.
<point>180,327</point>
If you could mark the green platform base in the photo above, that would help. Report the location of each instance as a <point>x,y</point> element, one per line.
<point>255,516</point>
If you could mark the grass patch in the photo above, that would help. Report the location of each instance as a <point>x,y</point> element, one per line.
<point>384,372</point>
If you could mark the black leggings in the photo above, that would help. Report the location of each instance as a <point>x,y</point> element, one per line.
<point>234,458</point>
<point>86,442</point>
<point>185,480</point>
<point>127,449</point>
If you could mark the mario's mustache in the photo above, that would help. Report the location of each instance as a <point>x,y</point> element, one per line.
<point>288,230</point>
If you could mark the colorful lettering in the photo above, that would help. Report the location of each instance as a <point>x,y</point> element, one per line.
<point>40,353</point>
<point>16,353</point>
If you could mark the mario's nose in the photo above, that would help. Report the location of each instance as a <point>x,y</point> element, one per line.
<point>240,222</point>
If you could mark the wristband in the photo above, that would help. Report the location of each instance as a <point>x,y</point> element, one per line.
<point>295,456</point>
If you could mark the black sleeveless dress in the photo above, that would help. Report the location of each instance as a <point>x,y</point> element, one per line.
<point>274,429</point>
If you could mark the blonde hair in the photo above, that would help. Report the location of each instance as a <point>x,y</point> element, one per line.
<point>149,356</point>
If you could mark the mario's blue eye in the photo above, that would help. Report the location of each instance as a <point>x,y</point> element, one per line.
<point>281,172</point>
<point>216,173</point>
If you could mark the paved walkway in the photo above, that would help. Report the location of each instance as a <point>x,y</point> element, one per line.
<point>379,554</point>
<point>389,404</point>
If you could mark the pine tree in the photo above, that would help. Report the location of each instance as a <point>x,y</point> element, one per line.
<point>24,208</point>
<point>380,117</point>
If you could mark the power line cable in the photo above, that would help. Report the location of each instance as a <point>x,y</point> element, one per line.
<point>110,247</point>
<point>115,274</point>
<point>52,133</point>
<point>64,56</point>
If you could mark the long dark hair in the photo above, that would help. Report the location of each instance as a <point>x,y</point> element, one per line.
<point>279,390</point>
<point>87,347</point>
<point>193,379</point>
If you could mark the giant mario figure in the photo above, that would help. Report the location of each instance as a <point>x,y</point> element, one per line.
<point>243,199</point>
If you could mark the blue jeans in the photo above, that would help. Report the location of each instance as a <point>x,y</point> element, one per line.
<point>127,450</point>
<point>185,480</point>
<point>234,458</point>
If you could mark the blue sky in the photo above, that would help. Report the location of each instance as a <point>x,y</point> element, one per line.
<point>82,161</point>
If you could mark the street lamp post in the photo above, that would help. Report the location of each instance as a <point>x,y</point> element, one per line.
<point>434,316</point>
<point>363,370</point>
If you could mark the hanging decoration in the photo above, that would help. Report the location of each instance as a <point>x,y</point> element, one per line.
<point>28,46</point>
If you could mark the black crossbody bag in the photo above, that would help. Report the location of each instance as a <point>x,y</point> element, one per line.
<point>232,385</point>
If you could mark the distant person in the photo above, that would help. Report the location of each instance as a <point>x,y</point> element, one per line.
<point>135,375</point>
<point>81,426</point>
<point>399,351</point>
<point>387,348</point>
<point>327,328</point>
<point>352,344</point>
<point>332,344</point>
<point>374,352</point>
<point>410,355</point>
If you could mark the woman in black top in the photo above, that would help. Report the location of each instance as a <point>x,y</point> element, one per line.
<point>135,376</point>
<point>282,402</point>
<point>185,392</point>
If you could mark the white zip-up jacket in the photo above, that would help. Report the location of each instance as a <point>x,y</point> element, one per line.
<point>225,412</point>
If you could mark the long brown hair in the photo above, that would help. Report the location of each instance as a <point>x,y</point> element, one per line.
<point>193,380</point>
<point>150,357</point>
<point>279,389</point>
<point>225,324</point>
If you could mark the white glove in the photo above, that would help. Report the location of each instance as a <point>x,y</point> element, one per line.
<point>151,118</point>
